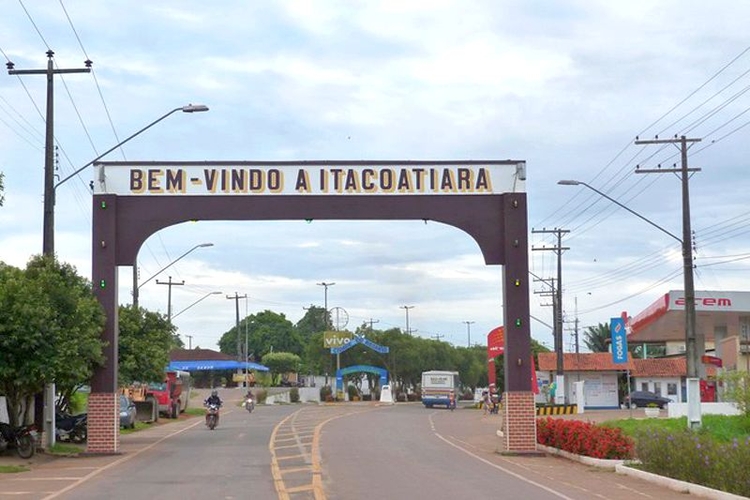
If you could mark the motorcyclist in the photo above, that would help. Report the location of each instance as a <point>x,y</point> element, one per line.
<point>213,399</point>
<point>249,400</point>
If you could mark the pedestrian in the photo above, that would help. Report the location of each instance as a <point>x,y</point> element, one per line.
<point>486,402</point>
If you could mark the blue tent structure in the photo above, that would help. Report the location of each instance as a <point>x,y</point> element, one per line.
<point>218,364</point>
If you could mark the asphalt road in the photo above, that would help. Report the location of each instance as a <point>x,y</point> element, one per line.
<point>322,452</point>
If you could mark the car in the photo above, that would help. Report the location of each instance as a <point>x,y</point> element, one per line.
<point>127,412</point>
<point>645,398</point>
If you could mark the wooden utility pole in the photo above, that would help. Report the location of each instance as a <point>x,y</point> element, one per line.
<point>236,298</point>
<point>169,283</point>
<point>48,243</point>
<point>695,341</point>
<point>557,296</point>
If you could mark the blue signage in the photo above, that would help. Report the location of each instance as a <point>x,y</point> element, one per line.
<point>619,340</point>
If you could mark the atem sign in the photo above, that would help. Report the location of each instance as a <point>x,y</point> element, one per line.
<point>330,178</point>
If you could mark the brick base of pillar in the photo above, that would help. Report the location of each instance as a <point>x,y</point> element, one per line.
<point>103,427</point>
<point>519,423</point>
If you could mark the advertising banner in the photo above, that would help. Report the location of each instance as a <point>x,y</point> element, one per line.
<point>619,340</point>
<point>336,339</point>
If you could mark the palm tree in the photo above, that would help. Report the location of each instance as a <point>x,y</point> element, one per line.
<point>597,338</point>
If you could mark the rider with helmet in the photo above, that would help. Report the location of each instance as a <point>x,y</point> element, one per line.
<point>213,399</point>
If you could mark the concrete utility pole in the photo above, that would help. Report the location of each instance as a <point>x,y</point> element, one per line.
<point>325,302</point>
<point>236,298</point>
<point>190,342</point>
<point>557,296</point>
<point>169,283</point>
<point>371,323</point>
<point>48,242</point>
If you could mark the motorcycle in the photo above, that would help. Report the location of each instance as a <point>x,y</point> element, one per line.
<point>71,428</point>
<point>249,405</point>
<point>23,439</point>
<point>212,416</point>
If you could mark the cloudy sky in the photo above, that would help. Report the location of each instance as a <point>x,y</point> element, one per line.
<point>565,86</point>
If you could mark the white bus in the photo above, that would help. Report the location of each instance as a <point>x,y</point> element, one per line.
<point>436,387</point>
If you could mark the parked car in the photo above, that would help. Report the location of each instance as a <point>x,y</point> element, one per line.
<point>127,412</point>
<point>645,398</point>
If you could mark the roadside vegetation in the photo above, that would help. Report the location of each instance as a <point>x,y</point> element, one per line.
<point>12,469</point>
<point>715,456</point>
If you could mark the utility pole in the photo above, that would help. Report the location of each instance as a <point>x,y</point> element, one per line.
<point>190,342</point>
<point>42,399</point>
<point>406,308</point>
<point>236,298</point>
<point>170,283</point>
<point>468,332</point>
<point>437,337</point>
<point>325,303</point>
<point>48,235</point>
<point>371,322</point>
<point>560,393</point>
<point>695,342</point>
<point>557,296</point>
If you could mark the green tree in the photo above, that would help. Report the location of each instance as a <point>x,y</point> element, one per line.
<point>737,389</point>
<point>145,340</point>
<point>597,338</point>
<point>312,322</point>
<point>50,325</point>
<point>279,363</point>
<point>266,332</point>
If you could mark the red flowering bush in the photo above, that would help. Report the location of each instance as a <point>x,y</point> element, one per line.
<point>584,438</point>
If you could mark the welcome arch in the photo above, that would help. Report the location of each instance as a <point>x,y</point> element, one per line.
<point>486,199</point>
<point>349,370</point>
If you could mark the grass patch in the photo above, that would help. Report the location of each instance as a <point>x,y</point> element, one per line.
<point>721,428</point>
<point>65,449</point>
<point>139,426</point>
<point>196,412</point>
<point>12,469</point>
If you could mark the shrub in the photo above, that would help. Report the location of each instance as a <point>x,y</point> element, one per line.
<point>412,396</point>
<point>294,395</point>
<point>401,397</point>
<point>260,396</point>
<point>326,393</point>
<point>352,391</point>
<point>584,438</point>
<point>696,458</point>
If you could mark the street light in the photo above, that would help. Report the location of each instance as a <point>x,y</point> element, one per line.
<point>468,331</point>
<point>199,300</point>
<point>692,356</point>
<point>136,286</point>
<point>49,216</point>
<point>406,308</point>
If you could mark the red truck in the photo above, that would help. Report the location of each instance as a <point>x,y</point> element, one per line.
<point>169,397</point>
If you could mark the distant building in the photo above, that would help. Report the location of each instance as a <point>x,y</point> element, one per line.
<point>722,317</point>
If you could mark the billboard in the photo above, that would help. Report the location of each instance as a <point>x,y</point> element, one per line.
<point>336,339</point>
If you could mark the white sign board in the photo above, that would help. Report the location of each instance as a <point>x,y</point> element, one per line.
<point>220,179</point>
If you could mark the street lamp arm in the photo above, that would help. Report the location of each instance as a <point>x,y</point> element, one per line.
<point>186,109</point>
<point>576,183</point>
<point>174,261</point>
<point>199,300</point>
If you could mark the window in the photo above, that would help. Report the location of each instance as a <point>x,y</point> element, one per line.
<point>657,388</point>
<point>671,389</point>
<point>644,386</point>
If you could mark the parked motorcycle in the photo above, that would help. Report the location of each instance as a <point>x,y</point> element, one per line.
<point>212,416</point>
<point>71,428</point>
<point>23,439</point>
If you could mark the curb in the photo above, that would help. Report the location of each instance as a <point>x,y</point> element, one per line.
<point>594,462</point>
